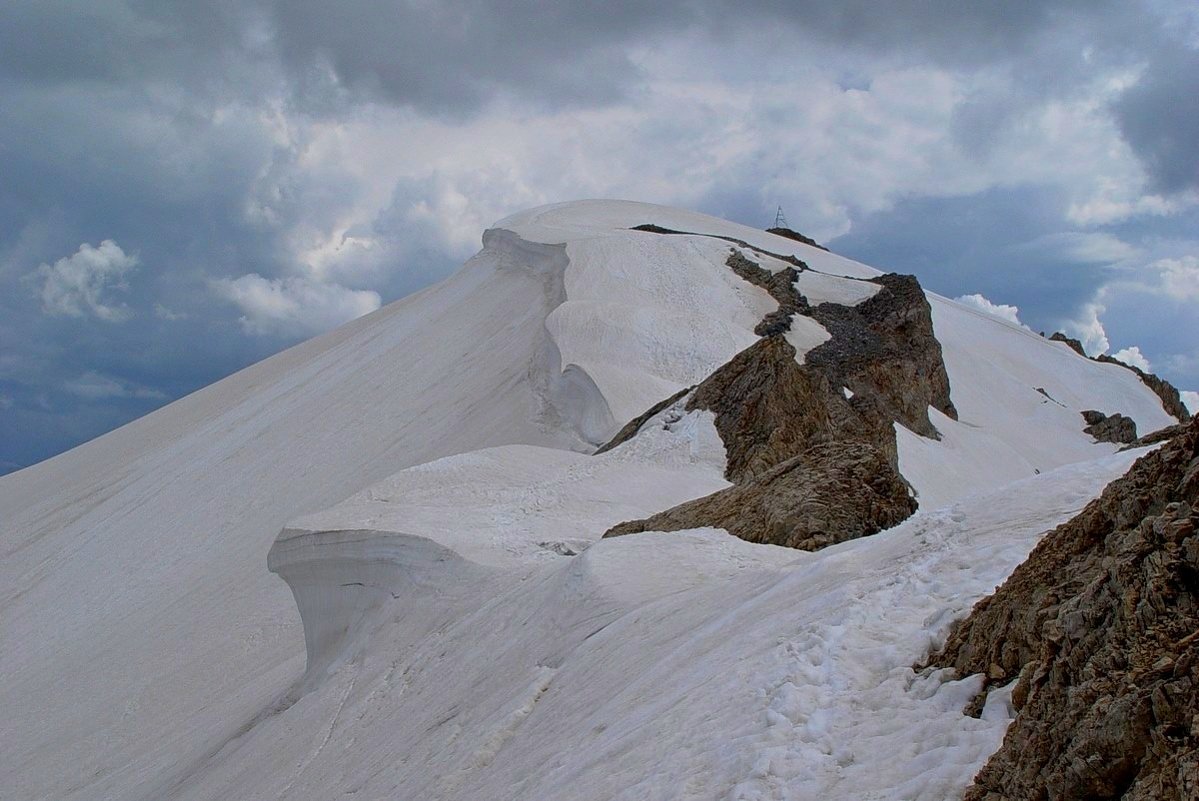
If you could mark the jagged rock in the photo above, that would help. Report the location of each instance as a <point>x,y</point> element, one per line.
<point>1154,437</point>
<point>830,493</point>
<point>780,285</point>
<point>1101,627</point>
<point>1116,428</point>
<point>884,349</point>
<point>1167,392</point>
<point>811,466</point>
<point>796,235</point>
<point>770,409</point>
<point>630,429</point>
<point>1074,344</point>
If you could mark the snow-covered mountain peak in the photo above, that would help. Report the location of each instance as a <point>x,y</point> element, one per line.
<point>426,479</point>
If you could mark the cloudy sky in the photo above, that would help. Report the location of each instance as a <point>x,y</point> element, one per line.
<point>186,187</point>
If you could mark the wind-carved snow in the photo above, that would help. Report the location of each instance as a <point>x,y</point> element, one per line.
<point>462,519</point>
<point>686,666</point>
<point>481,646</point>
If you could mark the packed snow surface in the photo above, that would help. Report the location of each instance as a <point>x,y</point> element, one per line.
<point>428,466</point>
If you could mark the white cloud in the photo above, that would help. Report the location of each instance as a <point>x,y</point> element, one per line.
<point>1190,400</point>
<point>1179,277</point>
<point>1089,329</point>
<point>1134,357</point>
<point>79,284</point>
<point>96,386</point>
<point>1000,310</point>
<point>294,306</point>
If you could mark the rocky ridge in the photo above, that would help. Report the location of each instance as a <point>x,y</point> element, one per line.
<point>796,235</point>
<point>811,447</point>
<point>1099,629</point>
<point>1171,400</point>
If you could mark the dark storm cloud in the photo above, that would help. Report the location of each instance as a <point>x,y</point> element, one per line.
<point>453,55</point>
<point>1159,118</point>
<point>128,43</point>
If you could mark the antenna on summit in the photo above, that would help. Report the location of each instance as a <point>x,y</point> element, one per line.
<point>780,219</point>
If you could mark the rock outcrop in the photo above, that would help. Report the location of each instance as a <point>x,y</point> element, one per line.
<point>770,409</point>
<point>630,429</point>
<point>811,463</point>
<point>1074,344</point>
<point>1117,428</point>
<point>884,350</point>
<point>780,286</point>
<point>1100,630</point>
<point>796,235</point>
<point>1154,437</point>
<point>829,493</point>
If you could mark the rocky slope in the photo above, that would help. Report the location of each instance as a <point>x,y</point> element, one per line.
<point>1100,631</point>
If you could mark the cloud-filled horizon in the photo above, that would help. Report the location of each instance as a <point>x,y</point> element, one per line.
<point>187,188</point>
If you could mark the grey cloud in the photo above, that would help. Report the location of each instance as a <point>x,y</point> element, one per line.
<point>1080,247</point>
<point>131,42</point>
<point>1159,118</point>
<point>454,56</point>
<point>975,244</point>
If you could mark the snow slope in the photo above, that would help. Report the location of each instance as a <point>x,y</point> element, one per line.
<point>682,666</point>
<point>146,651</point>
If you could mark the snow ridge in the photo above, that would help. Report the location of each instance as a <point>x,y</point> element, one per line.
<point>462,632</point>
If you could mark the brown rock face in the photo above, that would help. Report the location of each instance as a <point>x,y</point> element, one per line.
<point>1167,392</point>
<point>796,235</point>
<point>770,409</point>
<point>1074,344</point>
<point>811,467</point>
<point>1154,437</point>
<point>1101,625</point>
<point>830,493</point>
<point>884,349</point>
<point>780,285</point>
<point>1117,428</point>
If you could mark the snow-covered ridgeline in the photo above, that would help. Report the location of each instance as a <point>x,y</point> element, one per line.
<point>148,653</point>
